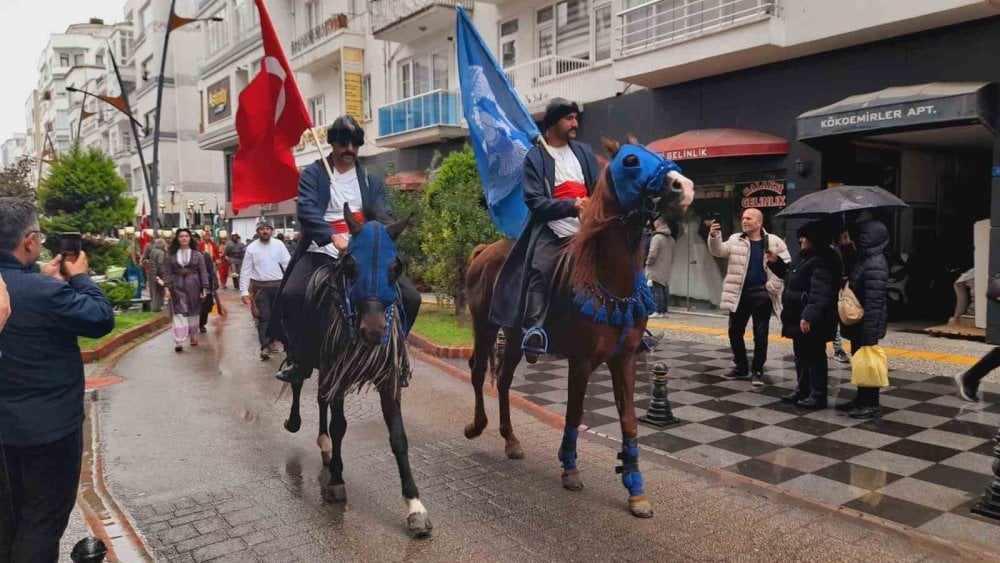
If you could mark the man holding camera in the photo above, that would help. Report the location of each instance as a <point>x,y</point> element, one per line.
<point>41,385</point>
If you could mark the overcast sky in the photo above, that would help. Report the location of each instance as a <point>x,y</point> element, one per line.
<point>25,26</point>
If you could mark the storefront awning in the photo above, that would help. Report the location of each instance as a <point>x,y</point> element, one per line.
<point>407,181</point>
<point>902,107</point>
<point>718,143</point>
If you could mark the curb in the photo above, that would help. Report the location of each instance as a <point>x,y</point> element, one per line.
<point>428,347</point>
<point>943,546</point>
<point>107,348</point>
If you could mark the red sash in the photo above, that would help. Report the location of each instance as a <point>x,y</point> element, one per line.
<point>571,190</point>
<point>340,225</point>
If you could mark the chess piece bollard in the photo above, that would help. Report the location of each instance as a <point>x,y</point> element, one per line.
<point>659,413</point>
<point>89,550</point>
<point>989,505</point>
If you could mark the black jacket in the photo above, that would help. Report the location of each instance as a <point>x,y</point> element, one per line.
<point>868,273</point>
<point>41,371</point>
<point>539,183</point>
<point>314,198</point>
<point>810,294</point>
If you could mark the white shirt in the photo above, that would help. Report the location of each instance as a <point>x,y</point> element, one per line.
<point>263,262</point>
<point>344,187</point>
<point>567,169</point>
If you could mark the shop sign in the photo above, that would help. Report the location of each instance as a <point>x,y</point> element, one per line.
<point>352,82</point>
<point>954,108</point>
<point>765,193</point>
<point>218,101</point>
<point>683,154</point>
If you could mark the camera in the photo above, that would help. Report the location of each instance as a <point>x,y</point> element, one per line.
<point>69,244</point>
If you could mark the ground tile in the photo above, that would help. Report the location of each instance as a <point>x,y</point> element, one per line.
<point>690,413</point>
<point>780,436</point>
<point>810,426</point>
<point>819,488</point>
<point>711,456</point>
<point>896,402</point>
<point>915,418</point>
<point>751,399</point>
<point>890,428</point>
<point>954,477</point>
<point>936,410</point>
<point>947,439</point>
<point>667,442</point>
<point>966,529</point>
<point>891,508</point>
<point>861,437</point>
<point>972,462</point>
<point>733,424</point>
<point>858,475</point>
<point>836,449</point>
<point>746,446</point>
<point>764,471</point>
<point>764,415</point>
<point>699,433</point>
<point>893,463</point>
<point>927,494</point>
<point>920,450</point>
<point>797,459</point>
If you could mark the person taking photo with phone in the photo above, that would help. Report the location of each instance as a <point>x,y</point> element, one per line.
<point>41,384</point>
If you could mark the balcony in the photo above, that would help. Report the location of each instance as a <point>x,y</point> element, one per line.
<point>670,41</point>
<point>540,80</point>
<point>404,21</point>
<point>427,118</point>
<point>319,48</point>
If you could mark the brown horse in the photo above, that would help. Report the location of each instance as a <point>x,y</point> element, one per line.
<point>604,269</point>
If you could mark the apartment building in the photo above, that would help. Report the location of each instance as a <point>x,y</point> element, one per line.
<point>14,149</point>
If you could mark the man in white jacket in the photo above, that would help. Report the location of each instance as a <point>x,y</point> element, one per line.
<point>750,289</point>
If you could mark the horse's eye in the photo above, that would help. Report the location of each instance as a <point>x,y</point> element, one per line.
<point>631,161</point>
<point>350,267</point>
<point>396,268</point>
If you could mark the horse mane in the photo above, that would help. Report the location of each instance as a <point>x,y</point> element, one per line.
<point>602,211</point>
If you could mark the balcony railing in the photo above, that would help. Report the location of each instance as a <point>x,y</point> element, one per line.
<point>553,76</point>
<point>333,24</point>
<point>385,14</point>
<point>440,107</point>
<point>656,23</point>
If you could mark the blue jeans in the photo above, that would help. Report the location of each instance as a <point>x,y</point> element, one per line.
<point>661,296</point>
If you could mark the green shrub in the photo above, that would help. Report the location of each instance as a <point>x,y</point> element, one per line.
<point>118,293</point>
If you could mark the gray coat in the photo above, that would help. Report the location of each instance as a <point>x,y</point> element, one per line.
<point>660,260</point>
<point>159,261</point>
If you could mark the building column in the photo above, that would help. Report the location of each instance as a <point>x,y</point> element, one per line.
<point>993,308</point>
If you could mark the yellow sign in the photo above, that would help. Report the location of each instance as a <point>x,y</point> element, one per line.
<point>352,70</point>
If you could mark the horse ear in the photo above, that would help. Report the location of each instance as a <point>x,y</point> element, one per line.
<point>610,146</point>
<point>632,139</point>
<point>398,227</point>
<point>352,223</point>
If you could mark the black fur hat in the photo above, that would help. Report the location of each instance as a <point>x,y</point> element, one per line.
<point>557,109</point>
<point>346,128</point>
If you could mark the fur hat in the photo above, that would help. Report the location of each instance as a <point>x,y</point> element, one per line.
<point>557,109</point>
<point>344,128</point>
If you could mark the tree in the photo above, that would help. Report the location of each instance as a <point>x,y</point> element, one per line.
<point>14,179</point>
<point>454,220</point>
<point>84,193</point>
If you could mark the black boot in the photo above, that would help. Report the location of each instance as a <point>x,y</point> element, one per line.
<point>536,341</point>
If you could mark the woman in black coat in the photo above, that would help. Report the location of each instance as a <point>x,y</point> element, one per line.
<point>868,274</point>
<point>809,313</point>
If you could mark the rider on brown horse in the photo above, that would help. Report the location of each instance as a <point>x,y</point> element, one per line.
<point>559,178</point>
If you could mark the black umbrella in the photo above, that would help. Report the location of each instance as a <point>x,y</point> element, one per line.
<point>840,200</point>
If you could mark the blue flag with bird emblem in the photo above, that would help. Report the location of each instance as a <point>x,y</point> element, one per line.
<point>500,127</point>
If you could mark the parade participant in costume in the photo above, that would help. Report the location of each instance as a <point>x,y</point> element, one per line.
<point>559,176</point>
<point>234,256</point>
<point>264,265</point>
<point>222,262</point>
<point>207,244</point>
<point>208,303</point>
<point>320,209</point>
<point>187,281</point>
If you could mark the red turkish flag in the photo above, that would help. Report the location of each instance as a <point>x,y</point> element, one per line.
<point>269,122</point>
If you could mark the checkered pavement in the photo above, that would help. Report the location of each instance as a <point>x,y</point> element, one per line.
<point>923,464</point>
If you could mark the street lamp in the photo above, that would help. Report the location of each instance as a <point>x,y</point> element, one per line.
<point>201,205</point>
<point>190,211</point>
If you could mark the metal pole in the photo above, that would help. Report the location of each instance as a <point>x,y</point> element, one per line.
<point>154,217</point>
<point>79,122</point>
<point>155,176</point>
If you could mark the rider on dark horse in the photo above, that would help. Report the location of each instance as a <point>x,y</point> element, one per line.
<point>325,235</point>
<point>559,178</point>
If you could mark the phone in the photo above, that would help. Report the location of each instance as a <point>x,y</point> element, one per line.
<point>70,244</point>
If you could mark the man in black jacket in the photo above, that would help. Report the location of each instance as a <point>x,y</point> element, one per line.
<point>41,385</point>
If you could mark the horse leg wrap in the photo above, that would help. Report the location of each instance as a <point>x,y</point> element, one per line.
<point>567,451</point>
<point>629,469</point>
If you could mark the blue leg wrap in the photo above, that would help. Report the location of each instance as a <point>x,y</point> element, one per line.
<point>544,349</point>
<point>567,451</point>
<point>631,476</point>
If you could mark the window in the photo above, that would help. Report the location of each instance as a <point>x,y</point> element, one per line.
<point>145,18</point>
<point>313,14</point>
<point>366,96</point>
<point>602,32</point>
<point>217,33</point>
<point>99,60</point>
<point>573,29</point>
<point>126,140</point>
<point>63,60</point>
<point>545,28</point>
<point>254,68</point>
<point>77,60</point>
<point>508,43</point>
<point>149,121</point>
<point>422,74</point>
<point>246,15</point>
<point>317,110</point>
<point>125,45</point>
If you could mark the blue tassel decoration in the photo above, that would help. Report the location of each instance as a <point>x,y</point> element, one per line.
<point>579,299</point>
<point>616,317</point>
<point>629,319</point>
<point>589,309</point>
<point>602,316</point>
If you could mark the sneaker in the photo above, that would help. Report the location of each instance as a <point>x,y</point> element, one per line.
<point>735,373</point>
<point>756,378</point>
<point>966,390</point>
<point>865,413</point>
<point>841,356</point>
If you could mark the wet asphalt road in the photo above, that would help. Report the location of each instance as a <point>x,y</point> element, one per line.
<point>195,452</point>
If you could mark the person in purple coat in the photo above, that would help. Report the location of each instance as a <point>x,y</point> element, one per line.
<point>187,283</point>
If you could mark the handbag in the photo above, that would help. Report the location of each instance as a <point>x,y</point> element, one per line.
<point>870,367</point>
<point>849,309</point>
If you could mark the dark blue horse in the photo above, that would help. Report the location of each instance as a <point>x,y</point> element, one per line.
<point>354,303</point>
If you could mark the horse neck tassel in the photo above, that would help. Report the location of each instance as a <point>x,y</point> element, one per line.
<point>602,307</point>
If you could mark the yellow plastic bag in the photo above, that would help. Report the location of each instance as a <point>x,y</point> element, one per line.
<point>870,367</point>
<point>215,308</point>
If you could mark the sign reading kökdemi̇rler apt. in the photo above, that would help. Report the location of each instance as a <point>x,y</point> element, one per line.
<point>928,111</point>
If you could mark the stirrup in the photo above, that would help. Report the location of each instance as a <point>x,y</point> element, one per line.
<point>538,351</point>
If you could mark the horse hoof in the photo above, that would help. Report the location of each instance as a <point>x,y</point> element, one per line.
<point>336,493</point>
<point>640,507</point>
<point>514,451</point>
<point>571,481</point>
<point>293,425</point>
<point>474,430</point>
<point>418,525</point>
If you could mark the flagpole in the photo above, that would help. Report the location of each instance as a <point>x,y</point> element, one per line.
<point>319,149</point>
<point>154,215</point>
